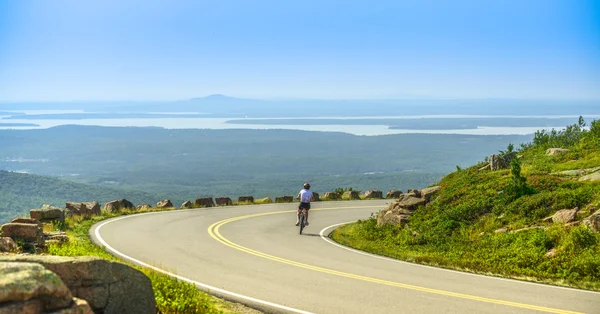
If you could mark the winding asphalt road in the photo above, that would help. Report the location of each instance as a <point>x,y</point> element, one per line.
<point>254,255</point>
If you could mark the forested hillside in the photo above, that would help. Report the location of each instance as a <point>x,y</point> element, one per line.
<point>20,192</point>
<point>189,163</point>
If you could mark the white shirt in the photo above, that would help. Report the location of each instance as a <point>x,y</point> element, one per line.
<point>305,195</point>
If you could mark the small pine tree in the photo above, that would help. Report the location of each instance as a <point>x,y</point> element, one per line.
<point>518,186</point>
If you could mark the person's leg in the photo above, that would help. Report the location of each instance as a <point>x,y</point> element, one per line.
<point>298,216</point>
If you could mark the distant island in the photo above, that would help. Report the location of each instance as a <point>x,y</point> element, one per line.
<point>4,125</point>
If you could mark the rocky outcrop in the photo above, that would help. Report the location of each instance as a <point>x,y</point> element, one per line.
<point>118,205</point>
<point>223,201</point>
<point>48,213</point>
<point>56,237</point>
<point>187,205</point>
<point>26,232</point>
<point>31,288</point>
<point>143,207</point>
<point>7,244</point>
<point>315,197</point>
<point>245,199</point>
<point>593,221</point>
<point>27,221</point>
<point>392,218</point>
<point>164,204</point>
<point>393,194</point>
<point>284,199</point>
<point>331,196</point>
<point>555,151</point>
<point>108,287</point>
<point>400,212</point>
<point>413,193</point>
<point>373,194</point>
<point>589,174</point>
<point>498,162</point>
<point>591,177</point>
<point>350,195</point>
<point>428,193</point>
<point>85,209</point>
<point>563,216</point>
<point>411,203</point>
<point>204,202</point>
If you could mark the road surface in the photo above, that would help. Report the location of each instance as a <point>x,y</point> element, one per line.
<point>254,255</point>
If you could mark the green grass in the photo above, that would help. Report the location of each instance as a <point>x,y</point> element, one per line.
<point>172,295</point>
<point>457,230</point>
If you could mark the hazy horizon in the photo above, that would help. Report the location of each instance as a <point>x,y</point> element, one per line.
<point>273,98</point>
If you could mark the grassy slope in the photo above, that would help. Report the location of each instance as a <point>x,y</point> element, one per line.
<point>457,230</point>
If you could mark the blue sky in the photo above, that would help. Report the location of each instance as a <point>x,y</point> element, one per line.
<point>151,50</point>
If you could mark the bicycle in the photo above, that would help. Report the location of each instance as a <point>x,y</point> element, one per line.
<point>302,219</point>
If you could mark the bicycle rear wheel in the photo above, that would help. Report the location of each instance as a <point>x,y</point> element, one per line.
<point>302,220</point>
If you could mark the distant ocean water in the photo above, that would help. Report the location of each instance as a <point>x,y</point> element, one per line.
<point>220,123</point>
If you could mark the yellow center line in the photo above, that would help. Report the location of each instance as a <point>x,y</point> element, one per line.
<point>214,232</point>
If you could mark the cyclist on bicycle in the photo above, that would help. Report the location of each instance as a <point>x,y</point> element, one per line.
<point>305,197</point>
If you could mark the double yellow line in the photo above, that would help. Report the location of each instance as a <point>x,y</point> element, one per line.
<point>214,232</point>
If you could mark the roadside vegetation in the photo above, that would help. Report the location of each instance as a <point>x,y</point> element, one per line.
<point>171,295</point>
<point>491,222</point>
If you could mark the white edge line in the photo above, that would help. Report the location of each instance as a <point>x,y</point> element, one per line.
<point>322,234</point>
<point>208,287</point>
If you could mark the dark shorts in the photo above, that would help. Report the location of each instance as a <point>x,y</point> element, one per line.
<point>304,205</point>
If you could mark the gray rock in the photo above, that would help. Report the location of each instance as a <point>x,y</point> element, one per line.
<point>35,306</point>
<point>164,204</point>
<point>316,197</point>
<point>30,233</point>
<point>85,209</point>
<point>27,221</point>
<point>22,282</point>
<point>411,203</point>
<point>204,202</point>
<point>373,194</point>
<point>393,194</point>
<point>143,207</point>
<point>118,205</point>
<point>593,221</point>
<point>563,216</point>
<point>555,151</point>
<point>591,177</point>
<point>414,192</point>
<point>528,228</point>
<point>223,201</point>
<point>187,205</point>
<point>331,196</point>
<point>498,162</point>
<point>350,195</point>
<point>428,193</point>
<point>79,306</point>
<point>59,237</point>
<point>47,213</point>
<point>284,199</point>
<point>245,199</point>
<point>8,245</point>
<point>390,218</point>
<point>109,287</point>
